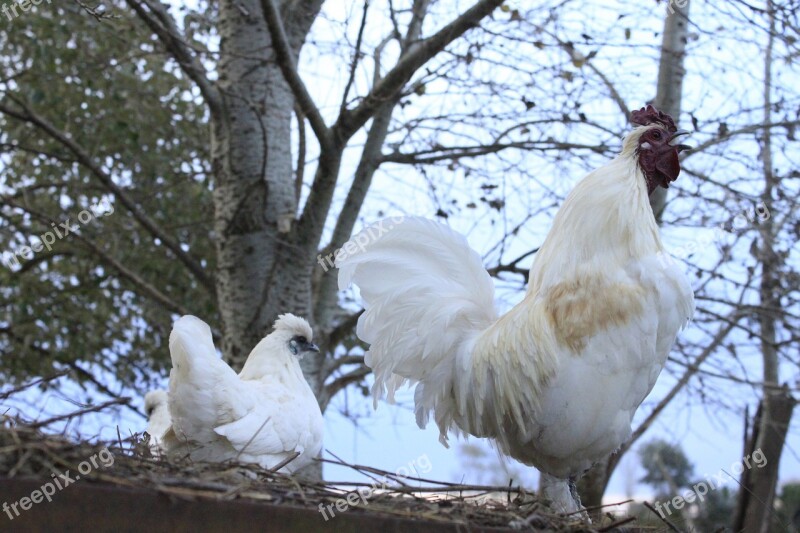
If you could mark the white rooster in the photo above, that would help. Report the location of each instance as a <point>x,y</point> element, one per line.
<point>263,415</point>
<point>556,380</point>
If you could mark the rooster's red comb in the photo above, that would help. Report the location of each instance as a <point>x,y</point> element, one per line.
<point>650,115</point>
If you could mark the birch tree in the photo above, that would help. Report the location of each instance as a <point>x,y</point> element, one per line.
<point>266,242</point>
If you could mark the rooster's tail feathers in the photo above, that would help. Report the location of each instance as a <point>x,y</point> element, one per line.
<point>426,296</point>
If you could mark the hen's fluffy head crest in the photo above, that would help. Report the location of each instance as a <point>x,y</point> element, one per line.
<point>294,325</point>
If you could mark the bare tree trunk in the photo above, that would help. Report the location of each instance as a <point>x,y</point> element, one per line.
<point>259,273</point>
<point>770,428</point>
<point>671,72</point>
<point>592,485</point>
<point>670,77</point>
<point>754,508</point>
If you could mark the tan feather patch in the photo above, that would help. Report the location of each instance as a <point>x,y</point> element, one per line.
<point>579,308</point>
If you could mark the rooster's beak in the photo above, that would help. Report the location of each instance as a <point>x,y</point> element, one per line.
<point>680,147</point>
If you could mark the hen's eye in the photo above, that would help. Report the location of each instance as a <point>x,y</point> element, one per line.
<point>150,410</point>
<point>301,339</point>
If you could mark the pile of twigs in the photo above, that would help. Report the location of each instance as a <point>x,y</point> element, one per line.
<point>27,452</point>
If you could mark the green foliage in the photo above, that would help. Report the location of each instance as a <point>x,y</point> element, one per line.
<point>789,507</point>
<point>667,467</point>
<point>716,511</point>
<point>108,87</point>
<point>669,471</point>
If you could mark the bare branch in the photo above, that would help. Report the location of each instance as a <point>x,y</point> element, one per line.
<point>356,56</point>
<point>331,389</point>
<point>578,57</point>
<point>744,130</point>
<point>163,25</point>
<point>10,392</point>
<point>370,160</point>
<point>288,66</point>
<point>343,329</point>
<point>418,54</point>
<point>100,386</point>
<point>301,155</point>
<point>382,97</point>
<point>418,12</point>
<point>81,412</point>
<point>620,101</point>
<point>99,12</point>
<point>512,266</point>
<point>457,152</point>
<point>344,361</point>
<point>147,288</point>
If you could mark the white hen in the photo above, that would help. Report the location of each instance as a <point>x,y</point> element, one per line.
<point>263,415</point>
<point>158,420</point>
<point>556,380</point>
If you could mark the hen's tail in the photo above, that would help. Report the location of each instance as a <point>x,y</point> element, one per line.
<point>196,377</point>
<point>427,296</point>
<point>190,343</point>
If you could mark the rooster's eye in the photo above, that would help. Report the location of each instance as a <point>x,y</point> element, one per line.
<point>656,134</point>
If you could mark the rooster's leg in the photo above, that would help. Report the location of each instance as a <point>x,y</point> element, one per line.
<point>562,498</point>
<point>573,491</point>
<point>560,494</point>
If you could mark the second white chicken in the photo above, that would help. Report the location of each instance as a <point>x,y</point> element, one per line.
<point>158,422</point>
<point>263,415</point>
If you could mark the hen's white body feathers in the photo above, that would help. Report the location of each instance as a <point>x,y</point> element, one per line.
<point>262,415</point>
<point>556,380</point>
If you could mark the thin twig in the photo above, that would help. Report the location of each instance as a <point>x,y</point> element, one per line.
<point>253,437</point>
<point>81,412</point>
<point>672,526</point>
<point>33,383</point>
<point>285,462</point>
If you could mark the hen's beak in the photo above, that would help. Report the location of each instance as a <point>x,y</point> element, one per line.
<point>679,147</point>
<point>310,347</point>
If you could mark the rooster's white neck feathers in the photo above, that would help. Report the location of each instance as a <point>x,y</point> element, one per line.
<point>606,219</point>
